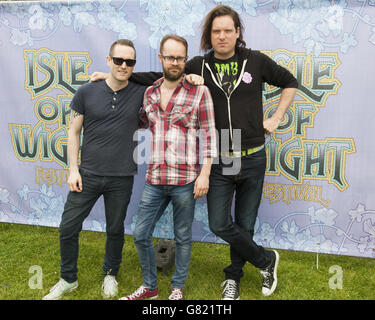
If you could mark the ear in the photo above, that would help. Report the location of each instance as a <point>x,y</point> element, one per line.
<point>109,61</point>
<point>160,58</point>
<point>238,32</point>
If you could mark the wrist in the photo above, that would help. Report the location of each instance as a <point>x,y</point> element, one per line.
<point>278,117</point>
<point>73,169</point>
<point>204,175</point>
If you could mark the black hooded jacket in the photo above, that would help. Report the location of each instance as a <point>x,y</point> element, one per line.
<point>243,108</point>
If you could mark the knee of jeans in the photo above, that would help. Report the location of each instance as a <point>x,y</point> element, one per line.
<point>115,230</point>
<point>63,232</point>
<point>218,229</point>
<point>67,232</point>
<point>185,244</point>
<point>115,235</point>
<point>141,238</point>
<point>183,240</point>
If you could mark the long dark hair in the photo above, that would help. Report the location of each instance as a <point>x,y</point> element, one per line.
<point>218,11</point>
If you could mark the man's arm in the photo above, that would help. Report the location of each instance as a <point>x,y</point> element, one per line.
<point>143,78</point>
<point>74,134</point>
<point>142,115</point>
<point>208,139</point>
<point>287,96</point>
<point>203,181</point>
<point>147,78</point>
<point>281,77</point>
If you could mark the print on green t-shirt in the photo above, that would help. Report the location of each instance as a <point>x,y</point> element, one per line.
<point>227,71</point>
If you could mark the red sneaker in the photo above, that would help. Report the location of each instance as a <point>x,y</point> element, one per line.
<point>142,293</point>
<point>176,294</point>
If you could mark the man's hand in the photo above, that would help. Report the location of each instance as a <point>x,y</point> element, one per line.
<point>201,186</point>
<point>271,124</point>
<point>194,79</point>
<point>75,181</point>
<point>96,76</point>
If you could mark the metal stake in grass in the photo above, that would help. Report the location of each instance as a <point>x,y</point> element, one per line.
<point>317,256</point>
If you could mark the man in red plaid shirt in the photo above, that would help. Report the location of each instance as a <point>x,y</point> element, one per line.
<point>175,127</point>
<point>176,113</point>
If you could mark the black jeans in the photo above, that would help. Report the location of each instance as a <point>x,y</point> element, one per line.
<point>116,192</point>
<point>247,185</point>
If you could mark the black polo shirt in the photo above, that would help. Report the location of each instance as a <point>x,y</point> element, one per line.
<point>110,120</point>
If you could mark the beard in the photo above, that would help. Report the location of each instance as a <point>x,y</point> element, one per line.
<point>173,76</point>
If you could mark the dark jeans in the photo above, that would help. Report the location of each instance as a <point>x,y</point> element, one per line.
<point>116,192</point>
<point>247,185</point>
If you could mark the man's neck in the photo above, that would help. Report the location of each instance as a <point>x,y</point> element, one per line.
<point>171,85</point>
<point>224,56</point>
<point>167,89</point>
<point>116,85</point>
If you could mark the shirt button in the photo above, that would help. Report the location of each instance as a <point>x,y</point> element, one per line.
<point>113,107</point>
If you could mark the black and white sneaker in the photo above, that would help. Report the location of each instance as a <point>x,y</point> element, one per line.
<point>231,290</point>
<point>270,275</point>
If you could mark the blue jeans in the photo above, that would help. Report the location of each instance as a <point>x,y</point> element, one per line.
<point>155,199</point>
<point>116,192</point>
<point>247,185</point>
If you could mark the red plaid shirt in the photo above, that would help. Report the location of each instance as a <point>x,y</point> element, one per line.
<point>188,117</point>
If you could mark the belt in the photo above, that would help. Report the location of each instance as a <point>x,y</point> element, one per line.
<point>242,153</point>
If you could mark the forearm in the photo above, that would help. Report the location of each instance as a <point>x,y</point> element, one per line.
<point>145,78</point>
<point>73,149</point>
<point>206,167</point>
<point>203,180</point>
<point>272,123</point>
<point>286,98</point>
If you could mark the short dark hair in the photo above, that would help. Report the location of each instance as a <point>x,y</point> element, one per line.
<point>173,37</point>
<point>122,42</point>
<point>218,11</point>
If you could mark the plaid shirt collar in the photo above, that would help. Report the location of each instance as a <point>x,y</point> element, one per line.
<point>183,83</point>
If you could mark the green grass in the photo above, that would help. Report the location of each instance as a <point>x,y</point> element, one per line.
<point>23,246</point>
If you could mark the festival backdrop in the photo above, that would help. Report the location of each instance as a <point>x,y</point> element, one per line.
<point>319,187</point>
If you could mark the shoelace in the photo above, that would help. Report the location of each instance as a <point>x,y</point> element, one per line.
<point>57,285</point>
<point>267,278</point>
<point>230,288</point>
<point>176,294</point>
<point>110,280</point>
<point>137,293</point>
<point>109,283</point>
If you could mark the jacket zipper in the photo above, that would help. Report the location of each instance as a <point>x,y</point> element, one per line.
<point>228,97</point>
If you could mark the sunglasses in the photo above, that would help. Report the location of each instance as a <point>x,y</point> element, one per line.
<point>119,61</point>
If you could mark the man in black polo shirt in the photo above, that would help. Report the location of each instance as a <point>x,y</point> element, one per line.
<point>108,112</point>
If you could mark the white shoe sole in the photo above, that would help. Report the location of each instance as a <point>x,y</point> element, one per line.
<point>232,299</point>
<point>151,298</point>
<point>108,296</point>
<point>59,297</point>
<point>268,292</point>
